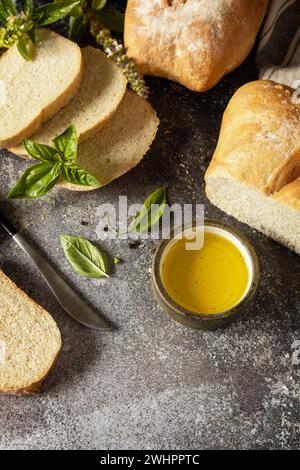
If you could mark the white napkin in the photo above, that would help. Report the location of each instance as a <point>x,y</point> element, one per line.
<point>278,55</point>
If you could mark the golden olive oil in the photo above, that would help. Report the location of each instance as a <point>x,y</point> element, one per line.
<point>210,280</point>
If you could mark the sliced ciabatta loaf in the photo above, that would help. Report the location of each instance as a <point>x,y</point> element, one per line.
<point>121,144</point>
<point>29,340</point>
<point>33,91</point>
<point>255,172</point>
<point>100,93</point>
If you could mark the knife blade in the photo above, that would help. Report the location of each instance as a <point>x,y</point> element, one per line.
<point>67,297</point>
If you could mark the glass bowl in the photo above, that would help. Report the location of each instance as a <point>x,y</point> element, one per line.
<point>200,320</point>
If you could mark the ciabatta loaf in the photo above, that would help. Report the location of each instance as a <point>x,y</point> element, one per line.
<point>255,171</point>
<point>193,42</point>
<point>29,341</point>
<point>121,144</point>
<point>100,93</point>
<point>33,91</point>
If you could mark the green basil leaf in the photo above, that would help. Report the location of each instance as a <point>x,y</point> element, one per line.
<point>76,175</point>
<point>145,218</point>
<point>55,11</point>
<point>77,27</point>
<point>31,35</point>
<point>41,152</point>
<point>28,7</point>
<point>3,14</point>
<point>25,47</point>
<point>83,3</point>
<point>86,259</point>
<point>67,143</point>
<point>98,4</point>
<point>9,8</point>
<point>112,19</point>
<point>36,181</point>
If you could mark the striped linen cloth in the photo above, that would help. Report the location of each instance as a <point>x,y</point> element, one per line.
<point>278,55</point>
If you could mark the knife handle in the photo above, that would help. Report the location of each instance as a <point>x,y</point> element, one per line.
<point>7,226</point>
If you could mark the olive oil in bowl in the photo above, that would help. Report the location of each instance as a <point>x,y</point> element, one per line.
<point>208,280</point>
<point>210,285</point>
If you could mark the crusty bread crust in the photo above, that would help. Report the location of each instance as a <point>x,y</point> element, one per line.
<point>259,142</point>
<point>289,195</point>
<point>254,174</point>
<point>31,388</point>
<point>53,107</point>
<point>193,42</point>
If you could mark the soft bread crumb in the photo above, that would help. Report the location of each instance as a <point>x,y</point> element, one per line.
<point>100,93</point>
<point>36,90</point>
<point>121,144</point>
<point>266,214</point>
<point>255,171</point>
<point>30,340</point>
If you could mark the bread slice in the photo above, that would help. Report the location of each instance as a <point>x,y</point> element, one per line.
<point>29,341</point>
<point>277,217</point>
<point>121,144</point>
<point>33,92</point>
<point>255,171</point>
<point>100,93</point>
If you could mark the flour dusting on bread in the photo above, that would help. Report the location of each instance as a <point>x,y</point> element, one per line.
<point>160,16</point>
<point>194,42</point>
<point>255,171</point>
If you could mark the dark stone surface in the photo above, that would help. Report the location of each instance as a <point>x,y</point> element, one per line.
<point>153,383</point>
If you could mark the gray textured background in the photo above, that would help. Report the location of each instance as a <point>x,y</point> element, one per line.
<point>152,383</point>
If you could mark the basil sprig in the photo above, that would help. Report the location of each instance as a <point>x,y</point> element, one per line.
<point>55,162</point>
<point>97,9</point>
<point>77,27</point>
<point>112,19</point>
<point>7,8</point>
<point>150,213</point>
<point>19,27</point>
<point>86,259</point>
<point>52,12</point>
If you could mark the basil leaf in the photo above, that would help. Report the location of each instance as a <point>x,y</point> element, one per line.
<point>67,143</point>
<point>3,16</point>
<point>25,48</point>
<point>41,152</point>
<point>36,181</point>
<point>112,19</point>
<point>83,3</point>
<point>28,7</point>
<point>77,27</point>
<point>98,4</point>
<point>86,259</point>
<point>31,35</point>
<point>145,218</point>
<point>9,8</point>
<point>76,175</point>
<point>55,11</point>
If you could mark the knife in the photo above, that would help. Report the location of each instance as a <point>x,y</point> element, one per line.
<point>67,298</point>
